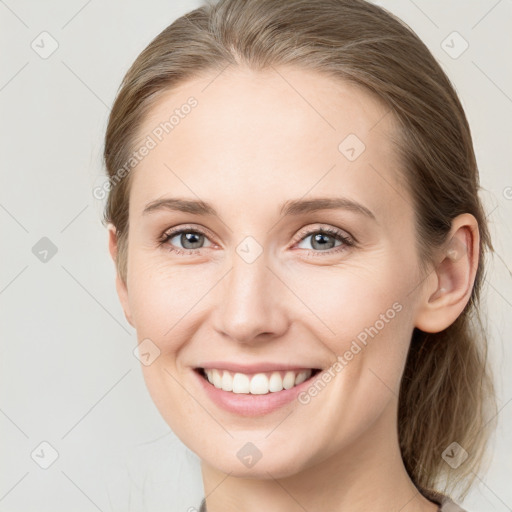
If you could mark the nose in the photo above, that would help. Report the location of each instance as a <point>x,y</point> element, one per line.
<point>251,302</point>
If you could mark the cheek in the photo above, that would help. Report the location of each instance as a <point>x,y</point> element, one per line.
<point>371,323</point>
<point>362,314</point>
<point>164,298</point>
<point>342,301</point>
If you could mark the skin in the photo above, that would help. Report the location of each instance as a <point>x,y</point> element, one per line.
<point>252,143</point>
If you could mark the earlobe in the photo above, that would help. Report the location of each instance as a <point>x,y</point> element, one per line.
<point>448,288</point>
<point>121,288</point>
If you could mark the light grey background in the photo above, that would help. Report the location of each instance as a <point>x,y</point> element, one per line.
<point>68,374</point>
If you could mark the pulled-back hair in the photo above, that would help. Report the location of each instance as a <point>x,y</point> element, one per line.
<point>447,394</point>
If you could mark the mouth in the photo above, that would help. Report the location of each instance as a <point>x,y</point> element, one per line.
<point>261,383</point>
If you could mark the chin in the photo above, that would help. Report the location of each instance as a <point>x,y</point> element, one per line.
<point>247,461</point>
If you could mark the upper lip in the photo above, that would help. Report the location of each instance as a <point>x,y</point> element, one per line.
<point>253,368</point>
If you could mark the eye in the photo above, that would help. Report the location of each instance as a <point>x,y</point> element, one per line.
<point>323,240</point>
<point>191,240</point>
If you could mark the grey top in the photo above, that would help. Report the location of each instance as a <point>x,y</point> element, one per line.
<point>446,504</point>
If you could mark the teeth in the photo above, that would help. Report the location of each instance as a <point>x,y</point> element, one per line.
<point>275,383</point>
<point>289,380</point>
<point>227,382</point>
<point>241,382</point>
<point>257,384</point>
<point>217,380</point>
<point>301,377</point>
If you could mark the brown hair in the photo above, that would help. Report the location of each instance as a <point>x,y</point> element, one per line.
<point>447,394</point>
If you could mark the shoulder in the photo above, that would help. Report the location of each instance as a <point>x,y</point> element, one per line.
<point>444,501</point>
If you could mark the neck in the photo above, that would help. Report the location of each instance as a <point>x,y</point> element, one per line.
<point>367,474</point>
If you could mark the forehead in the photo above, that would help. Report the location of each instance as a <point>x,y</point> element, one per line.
<point>253,138</point>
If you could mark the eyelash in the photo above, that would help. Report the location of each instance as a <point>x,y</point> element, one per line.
<point>335,233</point>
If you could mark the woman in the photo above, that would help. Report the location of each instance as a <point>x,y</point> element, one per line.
<point>294,216</point>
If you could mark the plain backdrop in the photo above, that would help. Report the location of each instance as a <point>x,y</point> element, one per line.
<point>78,430</point>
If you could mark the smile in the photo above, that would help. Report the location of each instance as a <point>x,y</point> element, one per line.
<point>252,389</point>
<point>256,383</point>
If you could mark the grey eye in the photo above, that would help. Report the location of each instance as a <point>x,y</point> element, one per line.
<point>320,241</point>
<point>189,240</point>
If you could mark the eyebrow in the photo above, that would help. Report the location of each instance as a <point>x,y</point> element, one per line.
<point>291,207</point>
<point>300,206</point>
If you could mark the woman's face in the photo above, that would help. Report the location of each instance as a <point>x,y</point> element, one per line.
<point>253,287</point>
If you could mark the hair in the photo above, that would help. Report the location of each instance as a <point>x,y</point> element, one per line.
<point>447,393</point>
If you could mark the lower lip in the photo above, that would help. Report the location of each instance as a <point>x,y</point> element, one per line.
<point>245,404</point>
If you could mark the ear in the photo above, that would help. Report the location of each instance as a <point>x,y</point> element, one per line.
<point>448,288</point>
<point>121,287</point>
